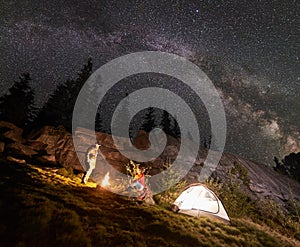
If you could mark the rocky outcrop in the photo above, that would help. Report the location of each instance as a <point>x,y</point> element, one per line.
<point>84,138</point>
<point>2,147</point>
<point>15,160</point>
<point>257,180</point>
<point>54,146</point>
<point>48,146</point>
<point>20,150</point>
<point>65,153</point>
<point>10,132</point>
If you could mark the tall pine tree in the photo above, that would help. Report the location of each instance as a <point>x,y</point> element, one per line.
<point>99,125</point>
<point>174,128</point>
<point>18,105</point>
<point>165,123</point>
<point>149,120</point>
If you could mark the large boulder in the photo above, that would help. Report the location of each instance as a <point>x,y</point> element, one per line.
<point>45,160</point>
<point>2,147</point>
<point>10,132</point>
<point>256,180</point>
<point>65,154</point>
<point>47,135</point>
<point>84,138</point>
<point>45,142</point>
<point>171,151</point>
<point>38,146</point>
<point>141,140</point>
<point>19,150</point>
<point>15,160</point>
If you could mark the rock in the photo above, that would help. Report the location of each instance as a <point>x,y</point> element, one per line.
<point>19,150</point>
<point>46,142</point>
<point>8,125</point>
<point>259,182</point>
<point>14,135</point>
<point>149,200</point>
<point>171,152</point>
<point>47,135</point>
<point>46,160</point>
<point>65,154</point>
<point>37,146</point>
<point>115,155</point>
<point>52,146</point>
<point>11,132</point>
<point>84,138</point>
<point>19,161</point>
<point>2,147</point>
<point>141,141</point>
<point>257,188</point>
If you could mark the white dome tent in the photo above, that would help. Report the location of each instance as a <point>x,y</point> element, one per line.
<point>197,200</point>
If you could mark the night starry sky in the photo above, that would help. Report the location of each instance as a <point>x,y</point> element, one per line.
<point>255,43</point>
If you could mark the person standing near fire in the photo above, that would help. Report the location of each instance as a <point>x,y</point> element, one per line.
<point>91,159</point>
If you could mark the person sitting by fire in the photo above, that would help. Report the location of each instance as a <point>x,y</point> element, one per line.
<point>139,184</point>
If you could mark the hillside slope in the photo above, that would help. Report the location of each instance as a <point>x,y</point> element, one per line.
<point>42,206</point>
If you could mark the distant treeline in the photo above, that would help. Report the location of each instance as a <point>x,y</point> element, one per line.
<point>289,165</point>
<point>17,107</point>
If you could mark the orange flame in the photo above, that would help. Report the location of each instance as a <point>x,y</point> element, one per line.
<point>105,181</point>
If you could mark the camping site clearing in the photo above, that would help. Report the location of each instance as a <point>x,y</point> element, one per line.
<point>50,207</point>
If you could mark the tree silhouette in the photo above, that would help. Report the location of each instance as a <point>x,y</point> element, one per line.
<point>165,123</point>
<point>58,109</point>
<point>124,117</point>
<point>18,105</point>
<point>207,142</point>
<point>149,120</point>
<point>290,165</point>
<point>174,128</point>
<point>169,125</point>
<point>279,166</point>
<point>99,125</point>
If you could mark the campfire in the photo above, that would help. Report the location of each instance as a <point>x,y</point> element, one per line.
<point>105,181</point>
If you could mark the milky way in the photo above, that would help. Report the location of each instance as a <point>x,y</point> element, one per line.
<point>256,43</point>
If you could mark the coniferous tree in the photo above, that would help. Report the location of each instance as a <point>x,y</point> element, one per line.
<point>149,120</point>
<point>18,105</point>
<point>207,142</point>
<point>58,109</point>
<point>169,125</point>
<point>99,125</point>
<point>290,165</point>
<point>174,128</point>
<point>279,167</point>
<point>165,123</point>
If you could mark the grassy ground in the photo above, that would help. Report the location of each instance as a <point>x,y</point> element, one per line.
<point>50,207</point>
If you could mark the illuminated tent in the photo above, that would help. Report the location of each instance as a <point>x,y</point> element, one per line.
<point>197,200</point>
